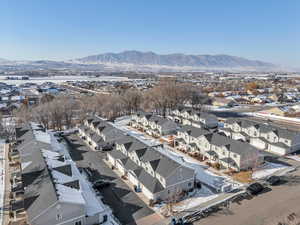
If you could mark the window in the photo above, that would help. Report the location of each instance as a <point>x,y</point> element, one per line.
<point>234,156</point>
<point>223,152</point>
<point>286,141</point>
<point>189,184</point>
<point>255,133</point>
<point>58,217</point>
<point>78,223</point>
<point>104,219</point>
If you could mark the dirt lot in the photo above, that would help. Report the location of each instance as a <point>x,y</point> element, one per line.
<point>268,208</point>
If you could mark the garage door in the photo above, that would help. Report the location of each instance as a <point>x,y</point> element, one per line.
<point>132,178</point>
<point>120,166</point>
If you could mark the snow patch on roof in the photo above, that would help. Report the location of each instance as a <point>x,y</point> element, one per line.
<point>69,195</point>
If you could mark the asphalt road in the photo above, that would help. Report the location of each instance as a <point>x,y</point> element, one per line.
<point>126,205</point>
<point>268,208</point>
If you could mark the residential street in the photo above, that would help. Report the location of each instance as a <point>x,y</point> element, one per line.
<point>126,205</point>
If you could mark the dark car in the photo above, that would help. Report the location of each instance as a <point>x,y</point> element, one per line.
<point>255,188</point>
<point>88,172</point>
<point>100,184</point>
<point>107,147</point>
<point>273,180</point>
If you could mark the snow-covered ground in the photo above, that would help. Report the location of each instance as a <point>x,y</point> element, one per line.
<point>196,198</point>
<point>268,169</point>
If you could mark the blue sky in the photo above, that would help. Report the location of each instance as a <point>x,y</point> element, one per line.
<point>62,29</point>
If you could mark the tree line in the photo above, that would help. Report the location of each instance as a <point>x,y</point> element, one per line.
<point>62,112</point>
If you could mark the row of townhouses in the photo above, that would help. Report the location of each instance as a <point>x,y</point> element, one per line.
<point>48,186</point>
<point>194,118</point>
<point>146,166</point>
<point>229,153</point>
<point>153,124</point>
<point>264,136</point>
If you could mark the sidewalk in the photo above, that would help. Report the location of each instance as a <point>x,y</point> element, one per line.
<point>221,198</point>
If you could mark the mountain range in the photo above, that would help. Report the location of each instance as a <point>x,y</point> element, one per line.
<point>174,60</point>
<point>145,61</point>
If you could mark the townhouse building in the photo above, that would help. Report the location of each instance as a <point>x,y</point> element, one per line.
<point>155,174</point>
<point>146,166</point>
<point>194,118</point>
<point>153,124</point>
<point>218,148</point>
<point>48,185</point>
<point>263,136</point>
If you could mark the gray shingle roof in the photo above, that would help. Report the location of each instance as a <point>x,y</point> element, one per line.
<point>39,196</point>
<point>151,183</point>
<point>194,131</point>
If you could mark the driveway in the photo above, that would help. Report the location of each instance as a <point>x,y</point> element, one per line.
<point>126,205</point>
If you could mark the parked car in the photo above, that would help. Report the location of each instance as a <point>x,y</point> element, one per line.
<point>273,180</point>
<point>107,147</point>
<point>100,184</point>
<point>88,172</point>
<point>255,188</point>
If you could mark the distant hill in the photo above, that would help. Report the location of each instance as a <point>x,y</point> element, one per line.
<point>3,60</point>
<point>174,60</point>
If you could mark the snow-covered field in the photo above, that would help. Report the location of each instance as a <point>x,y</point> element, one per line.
<point>268,169</point>
<point>61,79</point>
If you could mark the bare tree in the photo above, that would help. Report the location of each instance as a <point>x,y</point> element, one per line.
<point>132,99</point>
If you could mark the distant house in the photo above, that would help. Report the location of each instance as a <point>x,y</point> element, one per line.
<point>194,118</point>
<point>153,124</point>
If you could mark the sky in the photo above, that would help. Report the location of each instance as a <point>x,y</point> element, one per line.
<point>266,30</point>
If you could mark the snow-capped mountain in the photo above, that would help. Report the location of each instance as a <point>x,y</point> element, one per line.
<point>173,60</point>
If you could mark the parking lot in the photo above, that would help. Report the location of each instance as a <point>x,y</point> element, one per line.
<point>270,207</point>
<point>126,205</point>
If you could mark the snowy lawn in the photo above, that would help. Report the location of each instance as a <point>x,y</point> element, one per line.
<point>196,198</point>
<point>267,169</point>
